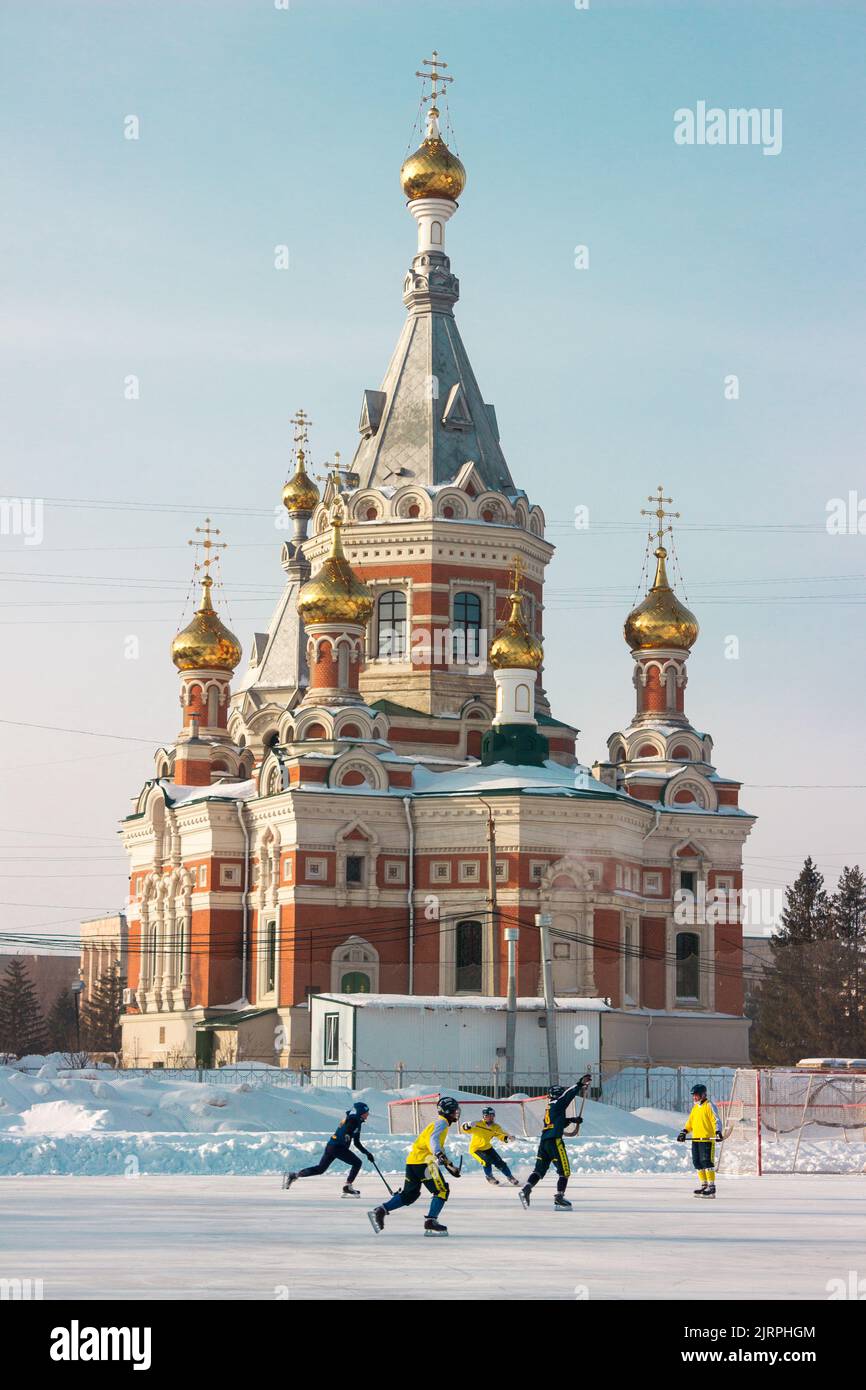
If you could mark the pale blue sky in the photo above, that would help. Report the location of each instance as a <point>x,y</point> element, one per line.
<point>260,126</point>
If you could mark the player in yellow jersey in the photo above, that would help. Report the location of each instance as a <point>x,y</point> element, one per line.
<point>482,1133</point>
<point>704,1128</point>
<point>424,1162</point>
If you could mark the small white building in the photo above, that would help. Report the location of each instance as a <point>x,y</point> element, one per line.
<point>404,1039</point>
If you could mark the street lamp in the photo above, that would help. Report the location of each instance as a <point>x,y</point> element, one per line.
<point>76,991</point>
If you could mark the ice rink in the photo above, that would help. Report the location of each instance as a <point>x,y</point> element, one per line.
<point>629,1236</point>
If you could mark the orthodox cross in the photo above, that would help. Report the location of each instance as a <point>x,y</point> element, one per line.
<point>433,77</point>
<point>207,546</point>
<point>339,477</point>
<point>301,422</point>
<point>660,514</point>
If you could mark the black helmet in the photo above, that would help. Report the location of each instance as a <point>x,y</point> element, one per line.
<point>699,1090</point>
<point>555,1092</point>
<point>488,1110</point>
<point>449,1107</point>
<point>359,1108</point>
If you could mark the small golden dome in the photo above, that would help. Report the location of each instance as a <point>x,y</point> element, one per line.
<point>335,594</point>
<point>514,647</point>
<point>206,644</point>
<point>660,620</point>
<point>300,493</point>
<point>433,171</point>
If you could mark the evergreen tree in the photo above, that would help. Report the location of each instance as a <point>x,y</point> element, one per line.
<point>22,1027</point>
<point>100,1017</point>
<point>60,1024</point>
<point>800,1008</point>
<point>848,907</point>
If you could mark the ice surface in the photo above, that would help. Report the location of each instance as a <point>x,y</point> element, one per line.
<point>189,1238</point>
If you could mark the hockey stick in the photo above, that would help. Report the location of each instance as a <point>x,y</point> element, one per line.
<point>381,1174</point>
<point>585,1082</point>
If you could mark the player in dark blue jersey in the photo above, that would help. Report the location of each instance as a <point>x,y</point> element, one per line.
<point>551,1148</point>
<point>338,1148</point>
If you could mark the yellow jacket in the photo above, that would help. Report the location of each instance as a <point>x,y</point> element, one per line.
<point>703,1122</point>
<point>483,1134</point>
<point>430,1141</point>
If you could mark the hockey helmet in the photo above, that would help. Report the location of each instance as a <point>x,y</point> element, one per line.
<point>555,1092</point>
<point>488,1112</point>
<point>699,1090</point>
<point>448,1107</point>
<point>359,1108</point>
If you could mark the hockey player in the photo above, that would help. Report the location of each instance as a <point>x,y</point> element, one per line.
<point>483,1132</point>
<point>339,1148</point>
<point>424,1161</point>
<point>705,1129</point>
<point>551,1148</point>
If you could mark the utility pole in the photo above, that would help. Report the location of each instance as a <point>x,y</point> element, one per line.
<point>543,922</point>
<point>492,906</point>
<point>512,935</point>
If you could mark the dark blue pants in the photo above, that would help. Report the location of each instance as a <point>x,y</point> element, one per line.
<point>420,1175</point>
<point>489,1159</point>
<point>334,1152</point>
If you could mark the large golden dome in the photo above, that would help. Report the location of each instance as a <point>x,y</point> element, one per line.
<point>206,644</point>
<point>335,594</point>
<point>433,171</point>
<point>514,647</point>
<point>660,620</point>
<point>300,493</point>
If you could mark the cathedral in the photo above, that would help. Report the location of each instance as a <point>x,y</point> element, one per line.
<point>384,790</point>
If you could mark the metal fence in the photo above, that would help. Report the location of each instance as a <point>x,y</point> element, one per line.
<point>628,1088</point>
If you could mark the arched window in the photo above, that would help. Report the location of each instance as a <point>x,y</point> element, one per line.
<point>467,956</point>
<point>179,948</point>
<point>682,752</point>
<point>688,965</point>
<point>355,982</point>
<point>355,967</point>
<point>466,626</point>
<point>391,635</point>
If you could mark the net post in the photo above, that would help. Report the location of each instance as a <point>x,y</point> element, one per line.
<point>758,1121</point>
<point>802,1122</point>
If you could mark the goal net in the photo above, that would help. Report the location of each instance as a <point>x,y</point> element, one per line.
<point>518,1117</point>
<point>794,1121</point>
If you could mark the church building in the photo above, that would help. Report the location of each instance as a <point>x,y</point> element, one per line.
<point>385,789</point>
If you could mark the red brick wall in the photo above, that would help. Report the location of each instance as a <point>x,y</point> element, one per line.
<point>652,971</point>
<point>607,954</point>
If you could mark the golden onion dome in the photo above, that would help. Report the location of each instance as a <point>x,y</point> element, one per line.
<point>660,620</point>
<point>335,594</point>
<point>432,171</point>
<point>206,644</point>
<point>514,647</point>
<point>300,493</point>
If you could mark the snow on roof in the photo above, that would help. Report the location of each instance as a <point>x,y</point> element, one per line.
<point>550,780</point>
<point>452,1002</point>
<point>179,795</point>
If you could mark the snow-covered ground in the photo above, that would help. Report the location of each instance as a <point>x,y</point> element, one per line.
<point>101,1124</point>
<point>628,1237</point>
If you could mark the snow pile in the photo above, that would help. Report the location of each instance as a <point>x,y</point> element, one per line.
<point>90,1122</point>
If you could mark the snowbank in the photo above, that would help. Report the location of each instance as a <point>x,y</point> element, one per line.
<point>92,1123</point>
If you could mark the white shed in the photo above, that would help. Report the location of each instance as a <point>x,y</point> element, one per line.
<point>403,1039</point>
